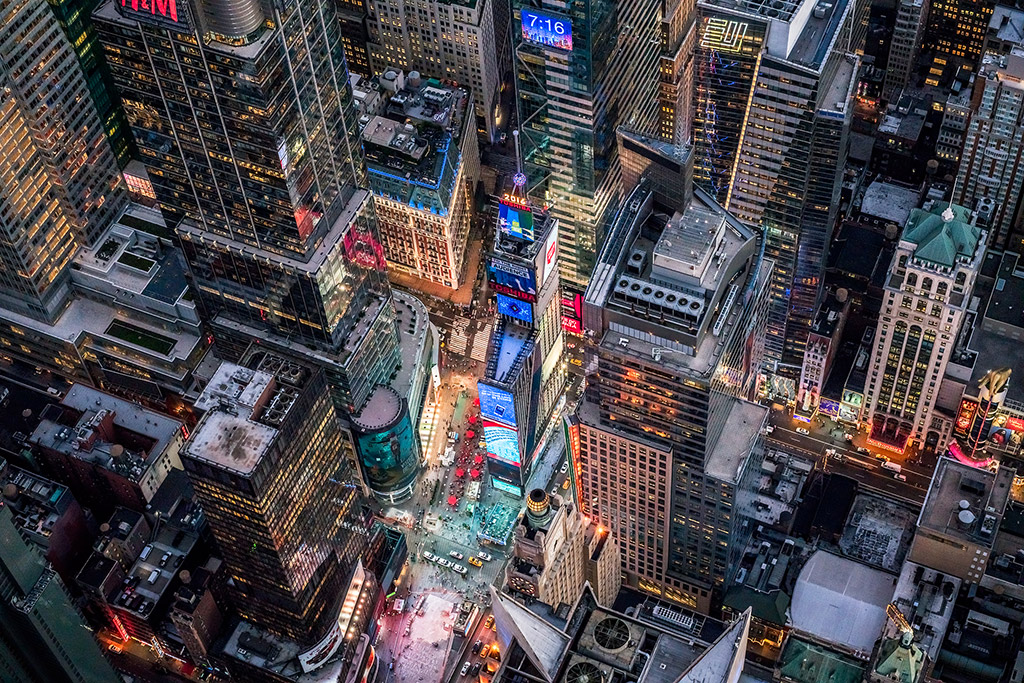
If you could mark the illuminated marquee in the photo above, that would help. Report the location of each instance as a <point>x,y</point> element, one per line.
<point>965,416</point>
<point>724,35</point>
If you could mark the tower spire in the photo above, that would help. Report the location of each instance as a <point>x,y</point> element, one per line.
<point>948,214</point>
<point>519,179</point>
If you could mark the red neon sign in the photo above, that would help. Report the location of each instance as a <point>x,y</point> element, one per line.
<point>1015,423</point>
<point>168,9</point>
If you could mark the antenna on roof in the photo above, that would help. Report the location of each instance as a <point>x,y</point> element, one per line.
<point>519,179</point>
<point>948,214</point>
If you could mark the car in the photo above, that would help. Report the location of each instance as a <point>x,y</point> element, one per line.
<point>475,561</point>
<point>879,456</point>
<point>456,554</point>
<point>901,477</point>
<point>115,648</point>
<point>565,467</point>
<point>443,562</point>
<point>554,491</point>
<point>454,436</point>
<point>565,484</point>
<point>862,450</point>
<point>475,670</point>
<point>486,557</point>
<point>769,429</point>
<point>489,623</point>
<point>477,645</point>
<point>801,430</point>
<point>483,443</point>
<point>459,568</point>
<point>429,556</point>
<point>465,669</point>
<point>55,392</point>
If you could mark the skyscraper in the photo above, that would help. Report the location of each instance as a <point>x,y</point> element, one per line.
<point>991,176</point>
<point>954,35</point>
<point>61,186</point>
<point>242,112</point>
<point>675,86</point>
<point>579,75</point>
<point>927,295</point>
<point>668,447</point>
<point>905,45</point>
<point>458,41</point>
<point>261,461</point>
<point>42,636</point>
<point>773,154</point>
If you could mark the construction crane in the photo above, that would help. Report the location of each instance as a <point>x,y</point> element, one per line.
<point>894,613</point>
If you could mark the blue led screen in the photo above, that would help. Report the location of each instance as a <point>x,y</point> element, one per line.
<point>502,443</point>
<point>546,29</point>
<point>515,221</point>
<point>496,404</point>
<point>517,309</point>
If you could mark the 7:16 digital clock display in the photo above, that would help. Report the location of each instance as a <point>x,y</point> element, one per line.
<point>545,29</point>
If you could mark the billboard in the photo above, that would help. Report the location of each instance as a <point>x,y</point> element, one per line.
<point>502,443</point>
<point>512,280</point>
<point>162,12</point>
<point>829,407</point>
<point>506,487</point>
<point>516,221</point>
<point>516,309</point>
<point>965,417</point>
<point>572,313</point>
<point>549,257</point>
<point>549,30</point>
<point>496,404</point>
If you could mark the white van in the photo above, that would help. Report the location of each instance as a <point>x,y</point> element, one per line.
<point>891,466</point>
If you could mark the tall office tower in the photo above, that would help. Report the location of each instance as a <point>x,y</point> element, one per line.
<point>578,77</point>
<point>784,141</point>
<point>927,294</point>
<point>457,41</point>
<point>904,47</point>
<point>668,447</point>
<point>524,378</point>
<point>991,176</point>
<point>675,87</point>
<point>355,35</point>
<point>261,461</point>
<point>954,36</point>
<point>251,145</point>
<point>423,164</point>
<point>60,180</point>
<point>42,636</point>
<point>75,18</point>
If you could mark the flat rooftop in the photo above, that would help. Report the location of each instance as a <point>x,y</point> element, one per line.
<point>742,429</point>
<point>890,202</point>
<point>966,502</point>
<point>105,430</point>
<point>244,411</point>
<point>414,330</point>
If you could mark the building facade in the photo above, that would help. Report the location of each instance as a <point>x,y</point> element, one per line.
<point>675,85</point>
<point>904,46</point>
<point>927,294</point>
<point>677,307</point>
<point>579,76</point>
<point>456,41</point>
<point>267,434</point>
<point>991,176</point>
<point>423,165</point>
<point>954,35</point>
<point>773,155</point>
<point>260,179</point>
<point>42,634</point>
<point>62,181</point>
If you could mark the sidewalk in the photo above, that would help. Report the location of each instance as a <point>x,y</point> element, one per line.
<point>461,296</point>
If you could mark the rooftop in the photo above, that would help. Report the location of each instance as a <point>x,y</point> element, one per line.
<point>414,329</point>
<point>805,662</point>
<point>382,409</point>
<point>841,601</point>
<point>890,202</point>
<point>942,234</point>
<point>111,432</point>
<point>155,571</point>
<point>1007,24</point>
<point>799,31</point>
<point>244,411</point>
<point>744,422</point>
<point>966,502</point>
<point>37,503</point>
<point>925,597</point>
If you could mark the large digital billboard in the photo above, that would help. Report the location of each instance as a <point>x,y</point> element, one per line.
<point>549,30</point>
<point>516,309</point>
<point>512,279</point>
<point>496,404</point>
<point>506,487</point>
<point>165,12</point>
<point>572,313</point>
<point>516,221</point>
<point>502,443</point>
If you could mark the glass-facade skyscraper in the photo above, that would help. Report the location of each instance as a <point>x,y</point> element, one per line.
<point>243,114</point>
<point>61,186</point>
<point>582,69</point>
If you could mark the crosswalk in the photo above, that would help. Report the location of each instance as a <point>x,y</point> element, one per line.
<point>458,341</point>
<point>480,340</point>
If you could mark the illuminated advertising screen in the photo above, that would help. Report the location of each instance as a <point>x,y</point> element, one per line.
<point>497,404</point>
<point>506,487</point>
<point>572,313</point>
<point>965,416</point>
<point>1015,424</point>
<point>828,406</point>
<point>549,30</point>
<point>516,221</point>
<point>548,261</point>
<point>502,443</point>
<point>512,280</point>
<point>516,309</point>
<point>166,12</point>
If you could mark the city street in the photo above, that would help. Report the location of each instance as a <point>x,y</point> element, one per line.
<point>866,468</point>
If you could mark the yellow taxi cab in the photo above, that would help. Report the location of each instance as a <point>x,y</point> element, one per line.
<point>475,562</point>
